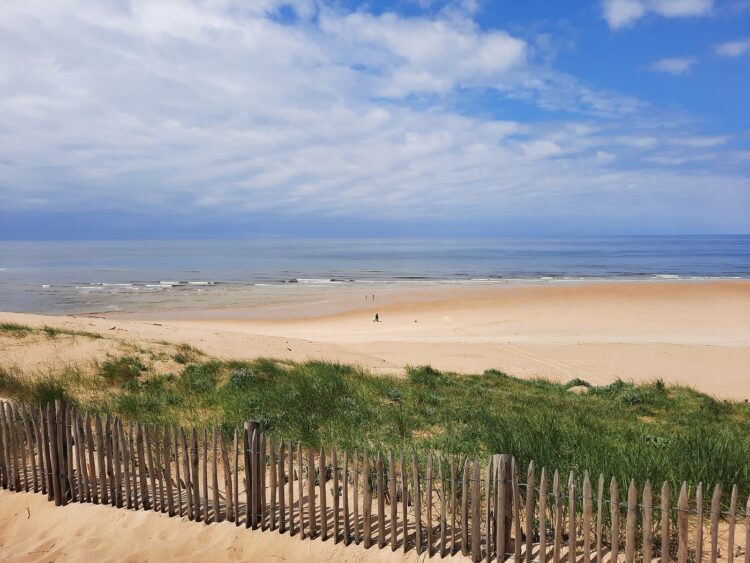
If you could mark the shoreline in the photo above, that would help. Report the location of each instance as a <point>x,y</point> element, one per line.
<point>689,333</point>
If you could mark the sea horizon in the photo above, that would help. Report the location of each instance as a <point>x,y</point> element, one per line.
<point>88,276</point>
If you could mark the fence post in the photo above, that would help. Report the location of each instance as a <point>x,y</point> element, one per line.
<point>503,503</point>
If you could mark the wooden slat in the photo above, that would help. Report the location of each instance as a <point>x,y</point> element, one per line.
<point>236,477</point>
<point>117,461</point>
<point>731,521</point>
<point>517,539</point>
<point>18,434</point>
<point>322,480</point>
<point>464,510</point>
<point>30,446</point>
<point>336,496</point>
<point>300,493</point>
<point>476,510</point>
<point>125,454</point>
<point>647,523</point>
<point>8,447</point>
<point>630,523</point>
<point>204,465</point>
<point>381,500</point>
<point>588,502</point>
<point>404,503</point>
<point>14,469</point>
<point>665,522</point>
<point>599,519</point>
<point>150,467</point>
<point>167,449</point>
<point>142,479</point>
<point>100,452</point>
<point>345,499</point>
<point>69,453</point>
<point>133,466</point>
<point>215,476</point>
<point>110,461</point>
<point>454,543</point>
<point>572,492</point>
<point>199,511</point>
<point>699,524</point>
<point>682,524</point>
<point>394,498</point>
<point>272,483</point>
<point>253,482</point>
<point>428,507</point>
<point>54,462</point>
<point>487,511</point>
<point>177,466</point>
<point>291,489</point>
<point>246,459</point>
<point>262,489</point>
<point>367,504</point>
<point>747,531</point>
<point>158,466</point>
<point>44,431</point>
<point>4,479</point>
<point>312,518</point>
<point>558,517</point>
<point>543,515</point>
<point>355,492</point>
<point>417,496</point>
<point>530,504</point>
<point>186,472</point>
<point>501,508</point>
<point>281,483</point>
<point>61,451</point>
<point>35,423</point>
<point>614,515</point>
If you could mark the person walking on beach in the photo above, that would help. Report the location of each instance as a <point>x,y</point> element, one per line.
<point>377,318</point>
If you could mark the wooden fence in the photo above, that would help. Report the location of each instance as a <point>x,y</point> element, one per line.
<point>482,510</point>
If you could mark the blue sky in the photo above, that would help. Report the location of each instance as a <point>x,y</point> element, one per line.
<point>218,118</point>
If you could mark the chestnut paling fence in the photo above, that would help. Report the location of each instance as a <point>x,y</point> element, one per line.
<point>445,506</point>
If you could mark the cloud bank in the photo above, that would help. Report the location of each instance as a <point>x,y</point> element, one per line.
<point>302,109</point>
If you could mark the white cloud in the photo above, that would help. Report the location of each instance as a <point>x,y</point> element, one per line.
<point>217,106</point>
<point>675,66</point>
<point>622,13</point>
<point>733,48</point>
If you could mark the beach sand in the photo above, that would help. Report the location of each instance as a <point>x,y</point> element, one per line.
<point>32,529</point>
<point>690,333</point>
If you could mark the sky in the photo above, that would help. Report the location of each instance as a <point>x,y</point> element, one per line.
<point>222,118</point>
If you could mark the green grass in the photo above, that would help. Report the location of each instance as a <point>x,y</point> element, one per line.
<point>651,431</point>
<point>121,370</point>
<point>15,329</point>
<point>54,332</point>
<point>187,354</point>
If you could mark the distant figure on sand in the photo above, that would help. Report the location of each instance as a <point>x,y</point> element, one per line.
<point>377,318</point>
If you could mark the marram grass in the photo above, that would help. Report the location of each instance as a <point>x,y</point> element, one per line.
<point>649,431</point>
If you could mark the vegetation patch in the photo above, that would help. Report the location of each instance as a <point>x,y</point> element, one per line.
<point>121,370</point>
<point>15,329</point>
<point>629,431</point>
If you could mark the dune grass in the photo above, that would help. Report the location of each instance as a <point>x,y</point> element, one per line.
<point>651,431</point>
<point>15,329</point>
<point>20,330</point>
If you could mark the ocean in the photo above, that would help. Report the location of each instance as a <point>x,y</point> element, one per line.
<point>86,276</point>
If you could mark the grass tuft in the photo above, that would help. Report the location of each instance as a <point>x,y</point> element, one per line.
<point>15,329</point>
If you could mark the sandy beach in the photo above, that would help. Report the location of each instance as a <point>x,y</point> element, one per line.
<point>32,529</point>
<point>691,333</point>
